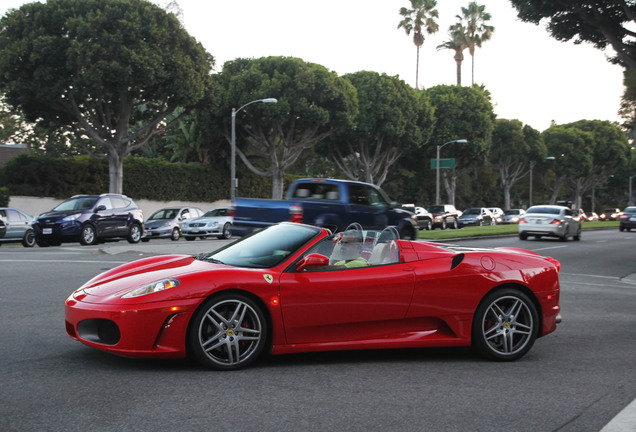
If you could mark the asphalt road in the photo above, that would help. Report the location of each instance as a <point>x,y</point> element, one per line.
<point>576,379</point>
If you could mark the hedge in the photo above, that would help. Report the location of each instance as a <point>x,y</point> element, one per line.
<point>152,179</point>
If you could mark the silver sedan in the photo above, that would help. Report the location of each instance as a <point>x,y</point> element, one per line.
<point>550,221</point>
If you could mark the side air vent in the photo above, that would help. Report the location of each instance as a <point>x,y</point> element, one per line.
<point>457,259</point>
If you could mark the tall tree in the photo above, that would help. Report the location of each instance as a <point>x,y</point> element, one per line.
<point>457,42</point>
<point>461,113</point>
<point>312,102</point>
<point>108,71</point>
<point>609,22</point>
<point>393,119</point>
<point>513,152</point>
<point>418,19</point>
<point>477,31</point>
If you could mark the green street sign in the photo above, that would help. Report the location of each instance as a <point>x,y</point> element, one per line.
<point>443,163</point>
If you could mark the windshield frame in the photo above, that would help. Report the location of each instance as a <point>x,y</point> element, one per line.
<point>266,248</point>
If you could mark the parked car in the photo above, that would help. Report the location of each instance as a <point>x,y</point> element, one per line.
<point>610,214</point>
<point>627,219</point>
<point>512,216</point>
<point>282,290</point>
<point>90,219</point>
<point>216,222</point>
<point>592,216</point>
<point>550,221</point>
<point>167,222</point>
<point>17,227</point>
<point>498,213</point>
<point>424,218</point>
<point>478,216</point>
<point>3,228</point>
<point>444,216</point>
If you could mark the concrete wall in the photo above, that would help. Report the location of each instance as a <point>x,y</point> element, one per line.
<point>35,206</point>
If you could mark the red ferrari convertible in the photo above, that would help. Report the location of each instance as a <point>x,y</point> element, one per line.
<point>296,288</point>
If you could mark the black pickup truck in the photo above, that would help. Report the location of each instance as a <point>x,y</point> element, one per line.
<point>328,203</point>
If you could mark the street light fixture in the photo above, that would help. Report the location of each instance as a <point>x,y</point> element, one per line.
<point>459,141</point>
<point>233,180</point>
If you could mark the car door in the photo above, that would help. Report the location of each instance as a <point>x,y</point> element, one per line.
<point>345,305</point>
<point>16,223</point>
<point>105,218</point>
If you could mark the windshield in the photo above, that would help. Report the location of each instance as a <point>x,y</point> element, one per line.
<point>164,214</point>
<point>545,210</point>
<point>79,203</point>
<point>264,249</point>
<point>472,211</point>
<point>512,212</point>
<point>216,212</point>
<point>435,209</point>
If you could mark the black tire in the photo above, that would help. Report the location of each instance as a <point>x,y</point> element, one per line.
<point>227,231</point>
<point>134,234</point>
<point>565,235</point>
<point>227,332</point>
<point>621,229</point>
<point>523,236</point>
<point>175,234</point>
<point>577,236</point>
<point>190,238</point>
<point>444,225</point>
<point>88,235</point>
<point>29,239</point>
<point>505,325</point>
<point>454,225</point>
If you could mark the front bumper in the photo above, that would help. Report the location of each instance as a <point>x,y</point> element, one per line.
<point>155,329</point>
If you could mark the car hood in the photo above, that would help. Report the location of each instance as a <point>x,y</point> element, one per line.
<point>56,215</point>
<point>208,219</point>
<point>118,281</point>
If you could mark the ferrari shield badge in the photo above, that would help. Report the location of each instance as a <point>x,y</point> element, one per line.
<point>268,278</point>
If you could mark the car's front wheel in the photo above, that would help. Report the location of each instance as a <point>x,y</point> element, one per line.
<point>227,231</point>
<point>505,325</point>
<point>88,235</point>
<point>227,332</point>
<point>29,239</point>
<point>175,234</point>
<point>134,235</point>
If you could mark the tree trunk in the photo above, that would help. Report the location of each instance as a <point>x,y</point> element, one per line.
<point>116,173</point>
<point>417,68</point>
<point>277,184</point>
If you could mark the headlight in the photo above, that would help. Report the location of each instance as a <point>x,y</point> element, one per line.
<point>152,288</point>
<point>70,218</point>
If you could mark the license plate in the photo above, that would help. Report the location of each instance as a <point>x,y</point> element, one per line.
<point>47,230</point>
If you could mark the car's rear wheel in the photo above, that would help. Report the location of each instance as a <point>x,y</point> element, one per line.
<point>29,239</point>
<point>88,235</point>
<point>134,235</point>
<point>523,236</point>
<point>188,238</point>
<point>175,234</point>
<point>227,332</point>
<point>505,325</point>
<point>577,236</point>
<point>227,231</point>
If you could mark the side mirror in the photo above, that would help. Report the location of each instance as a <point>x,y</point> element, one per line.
<point>312,260</point>
<point>100,208</point>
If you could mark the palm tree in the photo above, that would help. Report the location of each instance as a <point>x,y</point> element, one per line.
<point>458,43</point>
<point>420,17</point>
<point>476,29</point>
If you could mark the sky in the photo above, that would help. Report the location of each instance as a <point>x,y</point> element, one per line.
<point>531,76</point>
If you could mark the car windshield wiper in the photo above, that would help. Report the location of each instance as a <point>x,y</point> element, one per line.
<point>204,257</point>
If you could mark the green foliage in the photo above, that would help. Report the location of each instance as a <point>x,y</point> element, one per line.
<point>4,196</point>
<point>109,70</point>
<point>153,179</point>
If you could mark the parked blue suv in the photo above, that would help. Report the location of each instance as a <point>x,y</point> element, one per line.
<point>90,219</point>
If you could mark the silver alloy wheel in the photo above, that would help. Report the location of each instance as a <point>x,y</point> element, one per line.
<point>134,235</point>
<point>227,231</point>
<point>229,332</point>
<point>175,234</point>
<point>508,325</point>
<point>88,236</point>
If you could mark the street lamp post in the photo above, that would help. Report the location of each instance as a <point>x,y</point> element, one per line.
<point>233,180</point>
<point>460,141</point>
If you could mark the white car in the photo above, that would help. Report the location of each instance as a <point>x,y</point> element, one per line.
<point>168,222</point>
<point>216,222</point>
<point>550,221</point>
<point>499,213</point>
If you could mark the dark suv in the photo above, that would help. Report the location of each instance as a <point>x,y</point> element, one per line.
<point>90,219</point>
